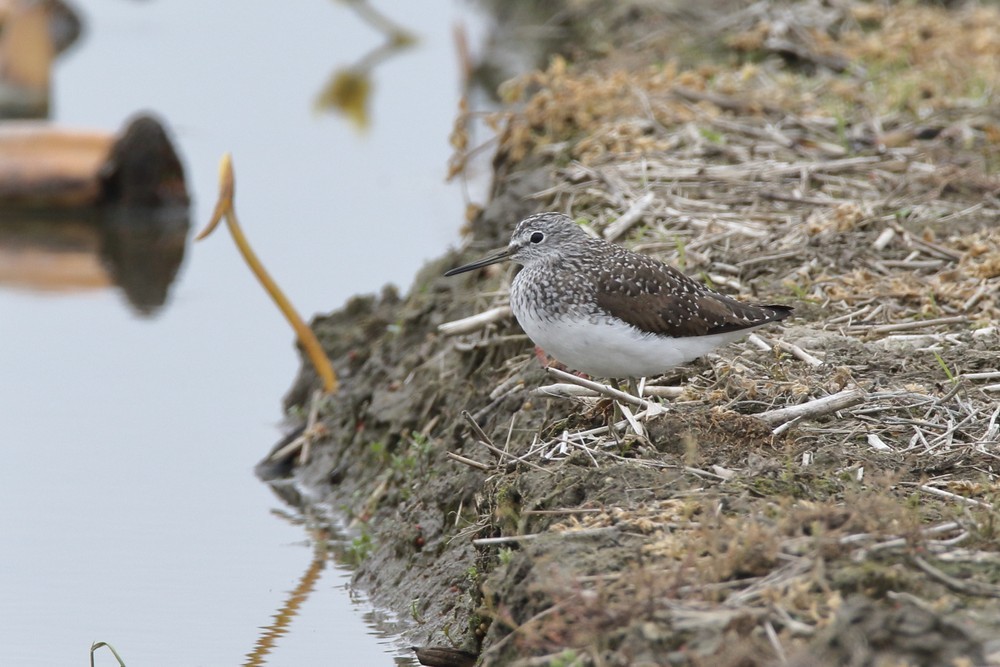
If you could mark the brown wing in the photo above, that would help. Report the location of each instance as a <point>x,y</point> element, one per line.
<point>659,299</point>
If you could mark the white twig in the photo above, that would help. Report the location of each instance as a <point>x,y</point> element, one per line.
<point>505,388</point>
<point>469,462</point>
<point>884,239</point>
<point>579,445</point>
<point>895,542</point>
<point>799,353</point>
<point>606,390</point>
<point>564,390</point>
<point>660,391</point>
<point>312,431</point>
<point>876,442</point>
<point>791,348</point>
<point>474,322</point>
<point>974,299</point>
<point>906,326</point>
<point>633,422</point>
<point>772,637</point>
<point>786,426</point>
<point>934,491</point>
<point>986,375</point>
<point>485,441</point>
<point>583,532</point>
<point>567,390</point>
<point>759,342</point>
<point>820,406</point>
<point>629,218</point>
<point>992,429</point>
<point>967,587</point>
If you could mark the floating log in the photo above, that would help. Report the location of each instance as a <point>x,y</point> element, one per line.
<point>45,166</point>
<point>84,210</point>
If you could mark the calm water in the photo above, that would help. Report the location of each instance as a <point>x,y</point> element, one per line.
<point>129,512</point>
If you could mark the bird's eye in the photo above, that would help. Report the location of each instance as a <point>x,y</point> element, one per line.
<point>537,237</point>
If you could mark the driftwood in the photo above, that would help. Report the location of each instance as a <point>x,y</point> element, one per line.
<point>85,210</point>
<point>50,167</point>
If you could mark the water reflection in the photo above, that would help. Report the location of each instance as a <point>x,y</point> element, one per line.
<point>142,251</point>
<point>329,544</point>
<point>348,90</point>
<point>138,249</point>
<point>290,607</point>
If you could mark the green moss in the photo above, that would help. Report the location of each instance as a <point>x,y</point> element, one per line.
<point>712,135</point>
<point>875,579</point>
<point>507,514</point>
<point>792,483</point>
<point>360,547</point>
<point>568,658</point>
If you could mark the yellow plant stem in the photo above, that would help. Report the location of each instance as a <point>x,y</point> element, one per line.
<point>224,207</point>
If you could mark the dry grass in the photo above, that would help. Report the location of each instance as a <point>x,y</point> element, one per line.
<point>861,188</point>
<point>904,72</point>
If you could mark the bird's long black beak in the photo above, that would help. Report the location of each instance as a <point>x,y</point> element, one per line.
<point>485,261</point>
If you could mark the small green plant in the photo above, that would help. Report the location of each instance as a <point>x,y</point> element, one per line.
<point>712,135</point>
<point>625,446</point>
<point>934,303</point>
<point>422,443</point>
<point>402,462</point>
<point>568,658</point>
<point>418,450</point>
<point>360,547</point>
<point>97,645</point>
<point>378,450</point>
<point>681,252</point>
<point>944,367</point>
<point>415,610</point>
<point>842,130</point>
<point>505,555</point>
<point>986,528</point>
<point>800,292</point>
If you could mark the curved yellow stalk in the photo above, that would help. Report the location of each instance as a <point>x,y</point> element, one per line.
<point>224,207</point>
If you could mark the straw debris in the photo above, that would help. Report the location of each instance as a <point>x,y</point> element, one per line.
<point>824,493</point>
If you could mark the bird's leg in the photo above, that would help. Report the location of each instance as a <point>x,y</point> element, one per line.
<point>617,415</point>
<point>635,387</point>
<point>549,362</point>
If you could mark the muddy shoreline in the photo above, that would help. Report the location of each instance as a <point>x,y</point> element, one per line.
<point>706,534</point>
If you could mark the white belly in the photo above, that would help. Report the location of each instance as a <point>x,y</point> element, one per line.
<point>613,349</point>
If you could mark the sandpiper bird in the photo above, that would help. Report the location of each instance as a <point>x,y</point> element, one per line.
<point>609,312</point>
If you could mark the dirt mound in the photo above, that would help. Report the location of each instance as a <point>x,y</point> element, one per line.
<point>824,493</point>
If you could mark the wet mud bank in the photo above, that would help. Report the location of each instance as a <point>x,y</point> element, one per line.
<point>822,494</point>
